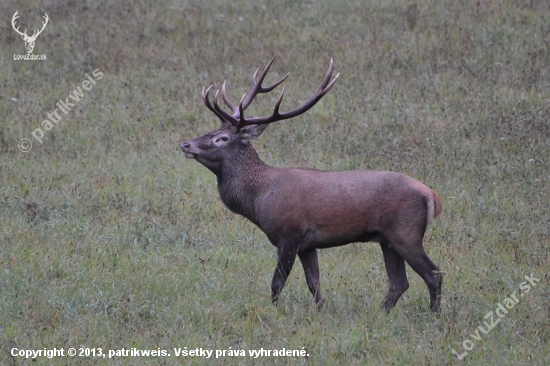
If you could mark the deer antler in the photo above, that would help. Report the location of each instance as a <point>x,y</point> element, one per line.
<point>24,34</point>
<point>43,26</point>
<point>237,118</point>
<point>13,19</point>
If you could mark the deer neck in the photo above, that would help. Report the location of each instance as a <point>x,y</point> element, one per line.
<point>241,179</point>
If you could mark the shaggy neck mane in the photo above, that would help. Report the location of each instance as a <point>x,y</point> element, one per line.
<point>243,175</point>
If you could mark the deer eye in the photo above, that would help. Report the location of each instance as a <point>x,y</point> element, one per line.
<point>223,138</point>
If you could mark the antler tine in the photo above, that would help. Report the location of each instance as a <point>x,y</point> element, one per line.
<point>205,96</point>
<point>263,74</point>
<point>256,86</point>
<point>262,77</point>
<point>234,108</point>
<point>206,100</point>
<point>327,76</point>
<point>278,104</point>
<point>275,84</point>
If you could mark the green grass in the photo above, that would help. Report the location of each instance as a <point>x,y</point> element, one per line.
<point>110,238</point>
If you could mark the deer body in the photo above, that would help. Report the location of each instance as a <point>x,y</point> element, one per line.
<point>302,210</point>
<point>324,209</point>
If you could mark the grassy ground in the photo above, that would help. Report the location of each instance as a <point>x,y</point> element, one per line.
<point>111,239</point>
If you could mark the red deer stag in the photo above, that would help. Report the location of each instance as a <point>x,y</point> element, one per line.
<point>302,210</point>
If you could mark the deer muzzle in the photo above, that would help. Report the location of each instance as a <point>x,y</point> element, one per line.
<point>186,147</point>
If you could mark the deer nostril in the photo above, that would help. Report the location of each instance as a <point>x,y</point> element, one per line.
<point>185,145</point>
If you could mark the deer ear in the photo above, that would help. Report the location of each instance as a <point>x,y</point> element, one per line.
<point>252,132</point>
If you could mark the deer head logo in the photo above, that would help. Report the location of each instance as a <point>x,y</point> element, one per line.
<point>29,41</point>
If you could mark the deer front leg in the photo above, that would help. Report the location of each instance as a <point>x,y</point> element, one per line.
<point>311,268</point>
<point>285,261</point>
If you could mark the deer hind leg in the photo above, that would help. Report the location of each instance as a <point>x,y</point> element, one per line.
<point>397,275</point>
<point>311,269</point>
<point>285,261</point>
<point>410,248</point>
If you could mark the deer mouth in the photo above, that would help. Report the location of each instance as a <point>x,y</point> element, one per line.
<point>189,155</point>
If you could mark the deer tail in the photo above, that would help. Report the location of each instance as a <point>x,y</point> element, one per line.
<point>436,204</point>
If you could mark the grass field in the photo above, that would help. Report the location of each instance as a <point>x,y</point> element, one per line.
<point>111,239</point>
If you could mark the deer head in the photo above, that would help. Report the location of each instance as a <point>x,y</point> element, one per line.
<point>236,129</point>
<point>29,40</point>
